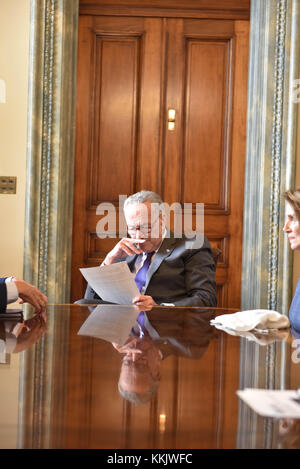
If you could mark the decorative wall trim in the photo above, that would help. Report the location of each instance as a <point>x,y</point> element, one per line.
<point>50,154</point>
<point>49,207</point>
<point>270,170</point>
<point>276,154</point>
<point>270,153</point>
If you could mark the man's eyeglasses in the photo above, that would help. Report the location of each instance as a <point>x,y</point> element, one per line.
<point>143,229</point>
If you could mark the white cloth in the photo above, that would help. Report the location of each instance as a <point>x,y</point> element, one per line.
<point>259,319</point>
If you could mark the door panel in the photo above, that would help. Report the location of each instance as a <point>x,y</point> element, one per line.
<point>117,125</point>
<point>207,87</point>
<point>131,71</point>
<point>116,89</point>
<point>204,103</point>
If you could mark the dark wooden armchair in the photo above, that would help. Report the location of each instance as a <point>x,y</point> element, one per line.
<point>216,252</point>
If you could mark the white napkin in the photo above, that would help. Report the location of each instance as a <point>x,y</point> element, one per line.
<point>259,319</point>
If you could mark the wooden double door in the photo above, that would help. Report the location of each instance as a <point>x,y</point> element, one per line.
<point>132,70</point>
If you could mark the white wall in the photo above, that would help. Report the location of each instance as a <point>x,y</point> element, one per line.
<point>14,51</point>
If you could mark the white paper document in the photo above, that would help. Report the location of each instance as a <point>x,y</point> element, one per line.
<point>270,403</point>
<point>112,323</point>
<point>114,283</point>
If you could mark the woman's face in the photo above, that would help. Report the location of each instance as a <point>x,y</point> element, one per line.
<point>292,228</point>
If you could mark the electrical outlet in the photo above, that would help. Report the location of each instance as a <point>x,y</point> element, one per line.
<point>8,185</point>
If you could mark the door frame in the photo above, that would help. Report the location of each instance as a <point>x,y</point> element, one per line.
<point>267,274</point>
<point>270,154</point>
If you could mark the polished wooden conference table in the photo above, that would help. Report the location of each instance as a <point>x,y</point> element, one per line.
<point>178,391</point>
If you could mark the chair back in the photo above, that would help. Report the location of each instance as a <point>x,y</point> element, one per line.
<point>216,252</point>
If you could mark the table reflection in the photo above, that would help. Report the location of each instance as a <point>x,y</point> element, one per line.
<point>152,342</point>
<point>289,434</point>
<point>82,391</point>
<point>18,335</point>
<point>260,337</point>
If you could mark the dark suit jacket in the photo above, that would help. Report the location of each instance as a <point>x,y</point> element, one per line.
<point>3,295</point>
<point>294,313</point>
<point>178,275</point>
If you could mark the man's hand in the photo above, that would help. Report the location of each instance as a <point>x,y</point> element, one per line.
<point>30,294</point>
<point>144,301</point>
<point>125,247</point>
<point>129,346</point>
<point>29,332</point>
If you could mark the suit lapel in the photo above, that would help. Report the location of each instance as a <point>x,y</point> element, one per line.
<point>164,251</point>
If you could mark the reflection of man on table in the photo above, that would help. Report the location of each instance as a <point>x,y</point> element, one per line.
<point>167,270</point>
<point>16,336</point>
<point>187,334</point>
<point>140,369</point>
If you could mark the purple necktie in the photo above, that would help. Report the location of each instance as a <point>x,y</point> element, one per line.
<point>141,319</point>
<point>140,278</point>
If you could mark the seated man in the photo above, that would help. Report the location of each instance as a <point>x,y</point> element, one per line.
<point>12,288</point>
<point>168,269</point>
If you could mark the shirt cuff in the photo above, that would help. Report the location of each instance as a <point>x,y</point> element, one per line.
<point>12,291</point>
<point>10,343</point>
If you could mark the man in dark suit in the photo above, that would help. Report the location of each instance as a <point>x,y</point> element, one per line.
<point>177,273</point>
<point>12,288</point>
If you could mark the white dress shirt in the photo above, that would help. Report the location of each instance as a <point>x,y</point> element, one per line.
<point>9,344</point>
<point>12,291</point>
